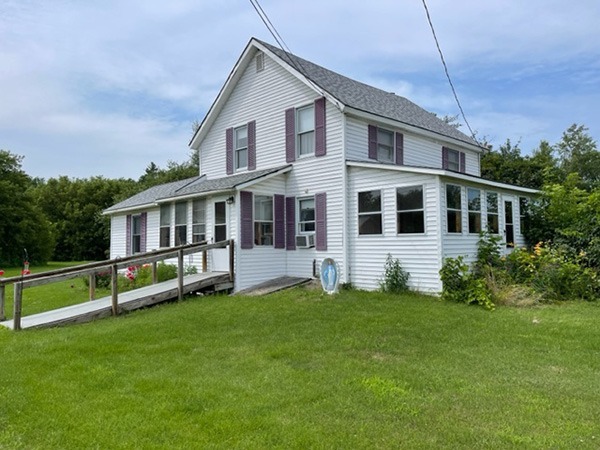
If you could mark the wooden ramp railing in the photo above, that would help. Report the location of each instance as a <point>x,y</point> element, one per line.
<point>113,265</point>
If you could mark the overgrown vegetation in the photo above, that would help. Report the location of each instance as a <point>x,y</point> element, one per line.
<point>395,278</point>
<point>548,272</point>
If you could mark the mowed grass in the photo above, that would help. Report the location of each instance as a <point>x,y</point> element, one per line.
<point>49,296</point>
<point>300,369</point>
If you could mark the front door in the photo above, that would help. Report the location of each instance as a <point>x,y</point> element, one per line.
<point>220,255</point>
<point>509,230</point>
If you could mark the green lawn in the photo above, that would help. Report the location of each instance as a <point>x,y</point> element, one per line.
<point>302,370</point>
<point>49,296</point>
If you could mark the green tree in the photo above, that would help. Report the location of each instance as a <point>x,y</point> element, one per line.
<point>74,206</point>
<point>579,154</point>
<point>23,226</point>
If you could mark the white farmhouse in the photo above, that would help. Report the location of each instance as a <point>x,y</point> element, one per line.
<point>299,163</point>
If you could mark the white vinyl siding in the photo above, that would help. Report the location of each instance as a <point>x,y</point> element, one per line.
<point>418,253</point>
<point>263,97</point>
<point>419,151</point>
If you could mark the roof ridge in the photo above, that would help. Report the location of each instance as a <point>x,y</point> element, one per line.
<point>368,98</point>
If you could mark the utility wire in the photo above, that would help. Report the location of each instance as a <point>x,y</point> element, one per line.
<point>282,45</point>
<point>437,44</point>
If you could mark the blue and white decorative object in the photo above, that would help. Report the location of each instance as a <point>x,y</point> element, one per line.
<point>330,275</point>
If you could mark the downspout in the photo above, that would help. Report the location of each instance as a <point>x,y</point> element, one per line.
<point>346,278</point>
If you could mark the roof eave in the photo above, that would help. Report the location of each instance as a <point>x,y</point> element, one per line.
<point>128,209</point>
<point>412,128</point>
<point>443,173</point>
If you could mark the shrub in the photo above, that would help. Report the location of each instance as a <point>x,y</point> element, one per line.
<point>462,286</point>
<point>488,253</point>
<point>395,278</point>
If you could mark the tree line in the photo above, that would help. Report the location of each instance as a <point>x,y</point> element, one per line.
<point>61,218</point>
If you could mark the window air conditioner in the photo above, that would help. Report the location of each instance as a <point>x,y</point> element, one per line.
<point>305,240</point>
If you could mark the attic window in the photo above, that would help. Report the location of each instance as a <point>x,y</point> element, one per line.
<point>260,61</point>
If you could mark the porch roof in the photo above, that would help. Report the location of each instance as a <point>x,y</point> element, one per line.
<point>190,187</point>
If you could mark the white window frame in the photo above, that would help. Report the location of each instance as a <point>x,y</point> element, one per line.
<point>199,220</point>
<point>522,209</point>
<point>474,212</point>
<point>165,225</point>
<point>181,223</point>
<point>307,135</point>
<point>240,146</point>
<point>362,214</point>
<point>458,210</point>
<point>388,149</point>
<point>262,236</point>
<point>136,238</point>
<point>303,223</point>
<point>453,165</point>
<point>404,211</point>
<point>492,212</point>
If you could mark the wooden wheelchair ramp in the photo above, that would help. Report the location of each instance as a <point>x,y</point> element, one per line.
<point>127,301</point>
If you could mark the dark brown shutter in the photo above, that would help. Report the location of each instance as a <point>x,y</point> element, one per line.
<point>321,221</point>
<point>320,146</point>
<point>399,149</point>
<point>247,229</point>
<point>252,145</point>
<point>279,213</point>
<point>290,135</point>
<point>143,225</point>
<point>128,235</point>
<point>229,150</point>
<point>372,142</point>
<point>445,158</point>
<point>463,163</point>
<point>290,223</point>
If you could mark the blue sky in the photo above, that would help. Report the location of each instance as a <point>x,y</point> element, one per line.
<point>104,88</point>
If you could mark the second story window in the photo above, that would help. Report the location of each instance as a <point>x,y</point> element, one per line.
<point>385,145</point>
<point>241,147</point>
<point>306,130</point>
<point>453,160</point>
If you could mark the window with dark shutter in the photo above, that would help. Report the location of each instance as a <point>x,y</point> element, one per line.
<point>453,160</point>
<point>143,237</point>
<point>385,146</point>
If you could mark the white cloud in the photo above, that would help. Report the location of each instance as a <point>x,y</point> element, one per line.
<point>84,83</point>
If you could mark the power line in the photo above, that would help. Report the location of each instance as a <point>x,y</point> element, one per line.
<point>437,44</point>
<point>295,62</point>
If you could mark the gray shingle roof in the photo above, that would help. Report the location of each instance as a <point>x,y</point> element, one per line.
<point>222,184</point>
<point>370,99</point>
<point>189,186</point>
